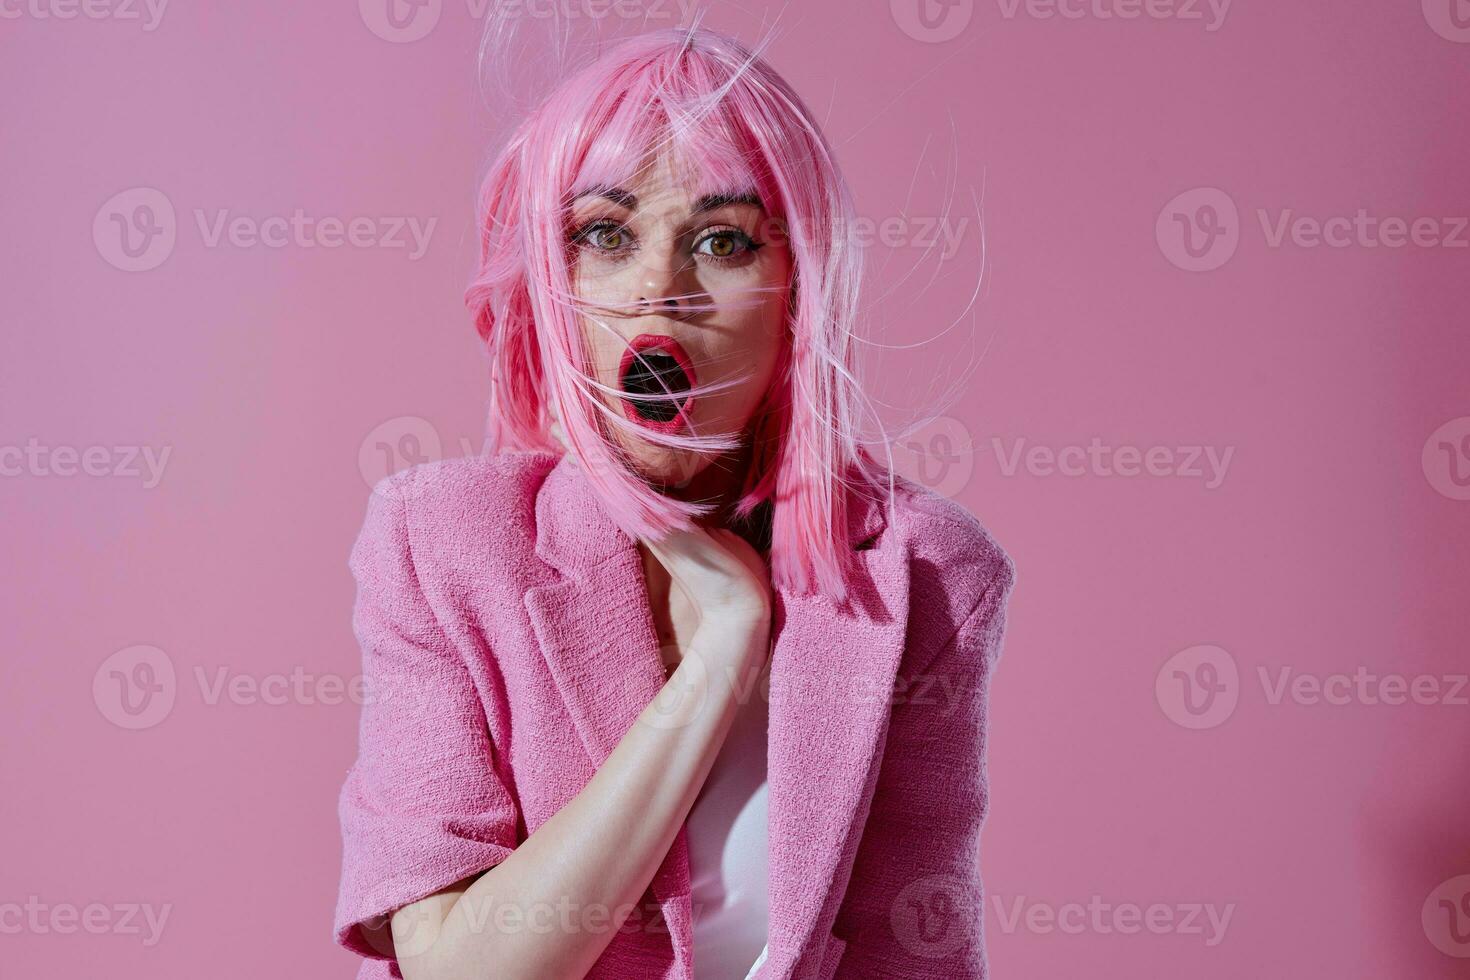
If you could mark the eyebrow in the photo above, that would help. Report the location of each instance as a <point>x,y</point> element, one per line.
<point>708,202</point>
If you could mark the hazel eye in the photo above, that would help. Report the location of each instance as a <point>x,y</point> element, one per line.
<point>721,245</point>
<point>725,243</point>
<point>602,236</point>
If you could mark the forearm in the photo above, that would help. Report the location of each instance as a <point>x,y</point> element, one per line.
<point>552,907</point>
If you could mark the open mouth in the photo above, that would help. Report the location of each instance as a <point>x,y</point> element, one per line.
<point>656,376</point>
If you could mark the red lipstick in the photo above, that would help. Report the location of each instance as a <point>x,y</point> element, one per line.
<point>653,367</point>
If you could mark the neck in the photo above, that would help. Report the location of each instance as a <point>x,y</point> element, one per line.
<point>720,483</point>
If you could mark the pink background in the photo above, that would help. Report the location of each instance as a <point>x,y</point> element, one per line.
<point>1335,540</point>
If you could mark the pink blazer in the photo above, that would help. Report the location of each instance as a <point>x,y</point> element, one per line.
<point>508,646</point>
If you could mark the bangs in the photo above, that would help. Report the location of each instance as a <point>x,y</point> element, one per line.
<point>709,147</point>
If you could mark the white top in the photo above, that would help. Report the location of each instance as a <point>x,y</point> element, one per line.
<point>728,858</point>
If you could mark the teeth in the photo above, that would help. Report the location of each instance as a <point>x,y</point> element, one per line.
<point>649,374</point>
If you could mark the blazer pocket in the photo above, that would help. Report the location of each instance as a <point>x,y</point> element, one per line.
<point>831,957</point>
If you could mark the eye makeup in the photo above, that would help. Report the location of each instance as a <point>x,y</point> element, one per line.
<point>589,237</point>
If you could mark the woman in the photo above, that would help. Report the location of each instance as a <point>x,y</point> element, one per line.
<point>676,682</point>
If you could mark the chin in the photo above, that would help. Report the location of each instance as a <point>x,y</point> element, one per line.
<point>665,467</point>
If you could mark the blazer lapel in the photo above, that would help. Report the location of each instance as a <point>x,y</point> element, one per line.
<point>832,673</point>
<point>596,632</point>
<point>597,636</point>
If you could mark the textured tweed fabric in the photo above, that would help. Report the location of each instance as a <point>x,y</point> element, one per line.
<point>507,647</point>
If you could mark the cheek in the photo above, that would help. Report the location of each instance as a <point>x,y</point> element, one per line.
<point>588,280</point>
<point>757,302</point>
<point>752,348</point>
<point>603,348</point>
<point>604,353</point>
<point>603,284</point>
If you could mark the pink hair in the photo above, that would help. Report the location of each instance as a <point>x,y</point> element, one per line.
<point>739,126</point>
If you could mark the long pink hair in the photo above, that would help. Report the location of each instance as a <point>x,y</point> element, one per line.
<point>738,125</point>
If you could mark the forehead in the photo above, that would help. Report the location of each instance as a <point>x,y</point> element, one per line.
<point>653,195</point>
<point>697,170</point>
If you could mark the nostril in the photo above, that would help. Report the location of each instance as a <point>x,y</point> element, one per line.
<point>670,304</point>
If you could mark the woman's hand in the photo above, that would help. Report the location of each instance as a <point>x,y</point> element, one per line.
<point>718,595</point>
<point>720,574</point>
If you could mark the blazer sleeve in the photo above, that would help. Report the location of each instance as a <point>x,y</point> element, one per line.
<point>914,905</point>
<point>422,806</point>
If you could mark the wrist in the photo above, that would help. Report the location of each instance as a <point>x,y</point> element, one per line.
<point>734,619</point>
<point>734,647</point>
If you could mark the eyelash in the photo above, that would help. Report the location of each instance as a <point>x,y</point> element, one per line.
<point>748,245</point>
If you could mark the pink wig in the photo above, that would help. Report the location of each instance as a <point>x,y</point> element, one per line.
<point>735,125</point>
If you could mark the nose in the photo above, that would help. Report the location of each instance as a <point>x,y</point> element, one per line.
<point>671,305</point>
<point>665,281</point>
